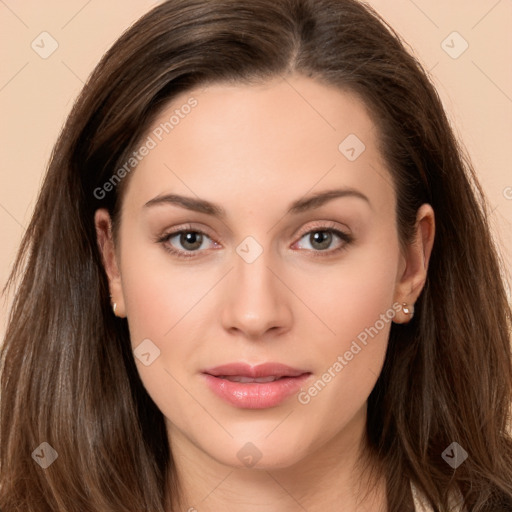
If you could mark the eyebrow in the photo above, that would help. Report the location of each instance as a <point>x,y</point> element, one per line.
<point>299,206</point>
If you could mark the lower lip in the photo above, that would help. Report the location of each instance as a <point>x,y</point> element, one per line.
<point>255,395</point>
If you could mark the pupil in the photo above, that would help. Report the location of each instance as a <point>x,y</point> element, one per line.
<point>323,238</point>
<point>191,239</point>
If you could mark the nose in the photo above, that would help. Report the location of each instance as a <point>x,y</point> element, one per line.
<point>256,300</point>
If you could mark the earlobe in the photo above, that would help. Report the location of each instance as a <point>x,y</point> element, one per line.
<point>105,240</point>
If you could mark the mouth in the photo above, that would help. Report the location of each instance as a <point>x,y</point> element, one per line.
<point>240,378</point>
<point>255,387</point>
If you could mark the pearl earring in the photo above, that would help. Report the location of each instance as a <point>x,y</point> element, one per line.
<point>114,305</point>
<point>408,310</point>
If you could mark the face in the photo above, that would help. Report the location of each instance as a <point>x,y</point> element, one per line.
<point>260,229</point>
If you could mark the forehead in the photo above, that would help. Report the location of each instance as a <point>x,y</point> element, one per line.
<point>284,137</point>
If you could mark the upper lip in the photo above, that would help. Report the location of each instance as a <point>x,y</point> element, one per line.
<point>255,371</point>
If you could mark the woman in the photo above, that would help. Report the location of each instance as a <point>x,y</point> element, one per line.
<point>259,276</point>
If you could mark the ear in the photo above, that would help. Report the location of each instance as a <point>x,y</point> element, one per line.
<point>103,224</point>
<point>414,266</point>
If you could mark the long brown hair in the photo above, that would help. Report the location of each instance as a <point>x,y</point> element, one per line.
<point>68,376</point>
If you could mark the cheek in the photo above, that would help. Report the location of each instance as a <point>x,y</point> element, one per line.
<point>352,296</point>
<point>356,303</point>
<point>158,294</point>
<point>164,304</point>
<point>160,300</point>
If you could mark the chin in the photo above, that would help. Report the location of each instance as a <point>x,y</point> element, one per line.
<point>262,454</point>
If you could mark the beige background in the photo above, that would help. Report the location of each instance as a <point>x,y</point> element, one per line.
<point>36,94</point>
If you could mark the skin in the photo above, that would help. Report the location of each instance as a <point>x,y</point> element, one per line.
<point>253,150</point>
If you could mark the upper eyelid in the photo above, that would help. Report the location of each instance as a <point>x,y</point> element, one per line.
<point>322,225</point>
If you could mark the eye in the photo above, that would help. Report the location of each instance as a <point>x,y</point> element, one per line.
<point>185,242</point>
<point>321,239</point>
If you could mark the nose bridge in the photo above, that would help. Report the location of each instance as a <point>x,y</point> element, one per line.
<point>256,300</point>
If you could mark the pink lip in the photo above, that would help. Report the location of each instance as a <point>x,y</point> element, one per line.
<point>255,395</point>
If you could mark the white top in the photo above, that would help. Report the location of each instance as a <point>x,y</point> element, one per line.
<point>420,504</point>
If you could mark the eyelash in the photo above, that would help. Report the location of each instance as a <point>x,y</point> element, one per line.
<point>345,237</point>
